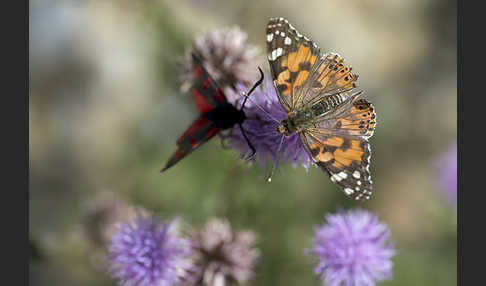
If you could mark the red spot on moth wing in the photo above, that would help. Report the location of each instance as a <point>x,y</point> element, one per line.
<point>211,132</point>
<point>219,96</point>
<point>193,142</point>
<point>178,154</point>
<point>201,102</point>
<point>197,71</point>
<point>206,83</point>
<point>194,127</point>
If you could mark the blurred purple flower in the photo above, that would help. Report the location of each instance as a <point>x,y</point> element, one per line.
<point>148,252</point>
<point>226,55</point>
<point>222,254</point>
<point>448,174</point>
<point>262,130</point>
<point>351,249</point>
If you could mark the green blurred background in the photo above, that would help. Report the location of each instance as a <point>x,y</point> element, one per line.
<point>105,111</point>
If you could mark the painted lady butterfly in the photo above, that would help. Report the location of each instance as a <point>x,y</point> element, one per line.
<point>319,94</point>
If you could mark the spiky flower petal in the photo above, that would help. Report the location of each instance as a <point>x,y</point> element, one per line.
<point>148,252</point>
<point>352,249</point>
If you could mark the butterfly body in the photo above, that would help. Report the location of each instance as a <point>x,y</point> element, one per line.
<point>320,96</point>
<point>301,119</point>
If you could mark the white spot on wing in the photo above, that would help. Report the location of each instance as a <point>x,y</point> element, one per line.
<point>356,174</point>
<point>348,191</point>
<point>275,54</point>
<point>269,37</point>
<point>343,175</point>
<point>287,41</point>
<point>338,177</point>
<point>335,178</point>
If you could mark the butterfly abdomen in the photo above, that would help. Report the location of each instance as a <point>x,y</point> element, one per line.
<point>330,102</point>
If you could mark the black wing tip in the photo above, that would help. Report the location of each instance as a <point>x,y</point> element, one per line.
<point>167,166</point>
<point>277,19</point>
<point>362,198</point>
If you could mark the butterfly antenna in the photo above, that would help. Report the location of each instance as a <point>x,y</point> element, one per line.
<point>253,88</point>
<point>275,165</point>
<point>253,151</point>
<point>263,110</point>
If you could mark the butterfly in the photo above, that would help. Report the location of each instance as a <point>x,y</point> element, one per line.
<point>319,93</point>
<point>216,114</point>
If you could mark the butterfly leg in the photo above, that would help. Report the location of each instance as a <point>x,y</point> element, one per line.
<point>277,160</point>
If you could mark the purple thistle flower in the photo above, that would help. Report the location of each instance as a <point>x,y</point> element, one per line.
<point>148,252</point>
<point>262,130</point>
<point>351,249</point>
<point>222,254</point>
<point>448,175</point>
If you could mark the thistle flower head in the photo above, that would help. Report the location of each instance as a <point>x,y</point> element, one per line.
<point>226,55</point>
<point>223,254</point>
<point>148,252</point>
<point>261,129</point>
<point>352,250</point>
<point>448,175</point>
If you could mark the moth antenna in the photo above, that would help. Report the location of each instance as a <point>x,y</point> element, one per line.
<point>275,165</point>
<point>253,88</point>
<point>246,96</point>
